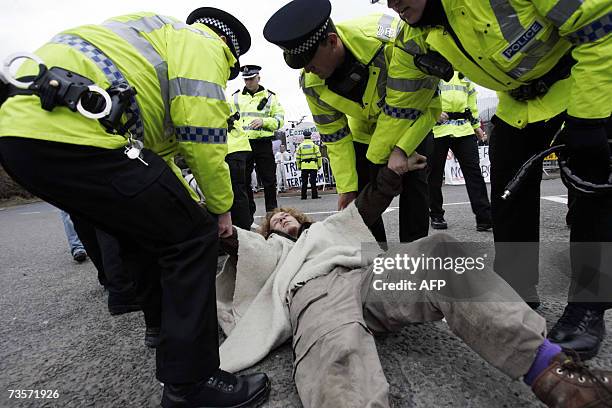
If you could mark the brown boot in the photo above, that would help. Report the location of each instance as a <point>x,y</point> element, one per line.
<point>568,383</point>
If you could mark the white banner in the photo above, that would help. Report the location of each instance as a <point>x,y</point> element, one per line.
<point>294,176</point>
<point>452,171</point>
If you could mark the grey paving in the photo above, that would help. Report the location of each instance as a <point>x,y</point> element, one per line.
<point>55,332</point>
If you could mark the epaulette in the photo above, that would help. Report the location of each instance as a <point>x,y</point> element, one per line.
<point>271,92</point>
<point>237,90</point>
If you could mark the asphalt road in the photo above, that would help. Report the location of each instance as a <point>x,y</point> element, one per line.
<point>56,334</point>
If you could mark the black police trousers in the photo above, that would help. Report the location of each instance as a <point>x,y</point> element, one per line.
<point>241,185</point>
<point>516,222</point>
<point>129,273</point>
<point>262,157</point>
<point>147,205</point>
<point>465,149</point>
<point>414,198</point>
<point>309,174</point>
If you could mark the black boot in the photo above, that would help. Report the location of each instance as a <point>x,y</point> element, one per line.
<point>579,329</point>
<point>438,223</point>
<point>222,389</point>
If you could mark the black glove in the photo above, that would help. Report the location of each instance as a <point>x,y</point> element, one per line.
<point>588,148</point>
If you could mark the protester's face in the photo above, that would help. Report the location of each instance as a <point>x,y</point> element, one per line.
<point>283,149</point>
<point>410,11</point>
<point>328,57</point>
<point>286,223</point>
<point>252,83</point>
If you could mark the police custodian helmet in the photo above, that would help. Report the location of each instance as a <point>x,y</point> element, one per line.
<point>298,28</point>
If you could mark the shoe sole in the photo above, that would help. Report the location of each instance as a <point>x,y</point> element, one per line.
<point>119,310</point>
<point>584,355</point>
<point>438,227</point>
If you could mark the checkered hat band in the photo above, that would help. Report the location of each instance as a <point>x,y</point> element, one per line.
<point>311,42</point>
<point>210,21</point>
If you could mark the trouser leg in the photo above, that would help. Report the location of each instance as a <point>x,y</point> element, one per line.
<point>250,165</point>
<point>71,235</point>
<point>336,362</point>
<point>591,242</point>
<point>366,171</point>
<point>466,151</point>
<point>414,199</point>
<point>144,204</point>
<point>313,183</point>
<point>89,238</point>
<point>479,307</point>
<point>516,222</point>
<point>437,161</point>
<point>266,168</point>
<point>304,178</point>
<point>241,214</point>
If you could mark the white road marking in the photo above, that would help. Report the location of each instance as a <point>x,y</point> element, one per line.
<point>28,213</point>
<point>556,199</point>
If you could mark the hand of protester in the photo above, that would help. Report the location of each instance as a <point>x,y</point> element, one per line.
<point>344,199</point>
<point>400,163</point>
<point>481,135</point>
<point>256,123</point>
<point>443,117</point>
<point>588,149</point>
<point>225,225</point>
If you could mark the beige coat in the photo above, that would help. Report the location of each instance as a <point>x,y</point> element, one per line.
<point>252,298</point>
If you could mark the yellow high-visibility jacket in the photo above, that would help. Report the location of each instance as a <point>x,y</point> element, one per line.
<point>237,139</point>
<point>513,42</point>
<point>399,100</point>
<point>455,96</point>
<point>308,156</point>
<point>271,112</point>
<point>180,100</point>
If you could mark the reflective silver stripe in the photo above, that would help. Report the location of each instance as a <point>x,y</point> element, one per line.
<point>148,23</point>
<point>533,54</point>
<point>411,85</point>
<point>411,47</point>
<point>312,93</point>
<point>182,26</point>
<point>201,134</point>
<point>195,87</point>
<point>385,31</point>
<point>236,104</point>
<point>507,19</point>
<point>279,119</point>
<point>110,70</point>
<point>253,114</point>
<point>327,119</point>
<point>594,31</point>
<point>445,87</point>
<point>334,137</point>
<point>401,113</point>
<point>471,92</point>
<point>562,11</point>
<point>129,33</point>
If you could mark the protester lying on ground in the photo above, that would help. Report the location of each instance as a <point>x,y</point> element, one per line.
<point>311,282</point>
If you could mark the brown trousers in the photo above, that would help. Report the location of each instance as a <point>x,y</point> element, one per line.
<point>333,317</point>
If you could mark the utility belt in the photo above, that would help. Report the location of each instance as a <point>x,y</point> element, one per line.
<point>467,115</point>
<point>539,87</point>
<point>57,86</point>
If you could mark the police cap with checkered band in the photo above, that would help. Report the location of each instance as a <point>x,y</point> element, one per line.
<point>223,23</point>
<point>298,28</point>
<point>250,71</point>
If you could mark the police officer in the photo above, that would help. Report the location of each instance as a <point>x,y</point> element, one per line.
<point>309,161</point>
<point>544,60</point>
<point>99,170</point>
<point>351,94</point>
<point>238,152</point>
<point>458,129</point>
<point>260,115</point>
